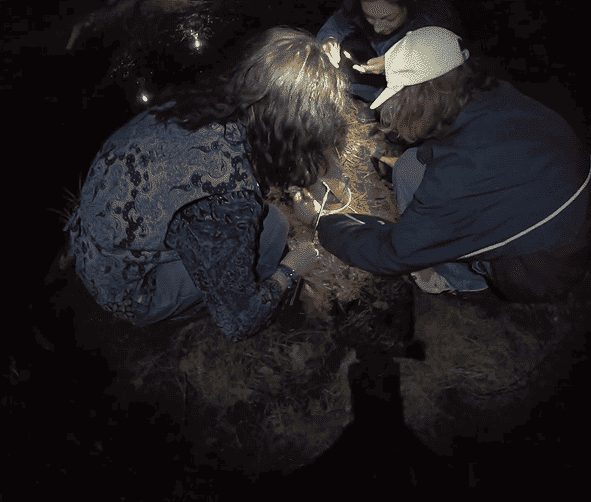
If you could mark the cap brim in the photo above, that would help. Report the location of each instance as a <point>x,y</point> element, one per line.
<point>386,94</point>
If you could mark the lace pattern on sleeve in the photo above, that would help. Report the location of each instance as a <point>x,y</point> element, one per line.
<point>217,240</point>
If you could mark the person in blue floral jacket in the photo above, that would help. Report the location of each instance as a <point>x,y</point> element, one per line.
<point>172,212</point>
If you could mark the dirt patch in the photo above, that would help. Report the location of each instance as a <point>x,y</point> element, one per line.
<point>293,382</point>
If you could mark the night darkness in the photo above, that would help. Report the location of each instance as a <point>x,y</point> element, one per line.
<point>63,112</point>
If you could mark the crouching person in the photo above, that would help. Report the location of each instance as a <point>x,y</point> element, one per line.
<point>494,192</point>
<point>363,30</point>
<point>172,212</point>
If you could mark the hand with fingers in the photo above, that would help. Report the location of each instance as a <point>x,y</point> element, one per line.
<point>306,208</point>
<point>332,48</point>
<point>374,65</point>
<point>302,258</point>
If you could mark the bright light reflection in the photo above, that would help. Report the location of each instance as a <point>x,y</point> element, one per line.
<point>196,42</point>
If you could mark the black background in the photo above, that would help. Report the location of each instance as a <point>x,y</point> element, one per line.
<point>57,113</point>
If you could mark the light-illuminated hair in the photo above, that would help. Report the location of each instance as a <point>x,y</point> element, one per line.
<point>291,99</point>
<point>429,109</point>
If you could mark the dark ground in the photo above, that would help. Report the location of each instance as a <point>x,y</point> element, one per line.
<point>69,437</point>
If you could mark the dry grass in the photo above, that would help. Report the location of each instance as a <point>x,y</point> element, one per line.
<point>332,278</point>
<point>306,400</point>
<point>299,377</point>
<point>486,359</point>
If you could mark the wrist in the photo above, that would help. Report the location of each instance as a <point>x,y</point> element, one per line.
<point>280,278</point>
<point>330,38</point>
<point>289,274</point>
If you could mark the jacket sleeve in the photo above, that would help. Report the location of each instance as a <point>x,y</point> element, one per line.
<point>441,223</point>
<point>216,239</point>
<point>387,248</point>
<point>337,26</point>
<point>368,245</point>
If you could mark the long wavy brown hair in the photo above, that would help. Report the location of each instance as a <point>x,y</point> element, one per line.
<point>429,109</point>
<point>289,96</point>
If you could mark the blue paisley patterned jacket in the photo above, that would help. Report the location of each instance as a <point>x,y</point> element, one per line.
<point>157,193</point>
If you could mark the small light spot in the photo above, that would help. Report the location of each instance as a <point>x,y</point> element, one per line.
<point>197,43</point>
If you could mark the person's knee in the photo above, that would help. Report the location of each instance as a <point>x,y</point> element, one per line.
<point>278,220</point>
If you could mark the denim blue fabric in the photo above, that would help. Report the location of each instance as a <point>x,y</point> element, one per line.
<point>406,177</point>
<point>366,92</point>
<point>461,277</point>
<point>272,242</point>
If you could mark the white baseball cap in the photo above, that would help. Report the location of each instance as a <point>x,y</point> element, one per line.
<point>422,55</point>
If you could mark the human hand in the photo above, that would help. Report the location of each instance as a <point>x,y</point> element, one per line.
<point>305,207</point>
<point>374,65</point>
<point>302,258</point>
<point>332,49</point>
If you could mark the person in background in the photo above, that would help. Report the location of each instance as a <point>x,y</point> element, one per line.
<point>172,217</point>
<point>494,194</point>
<point>365,30</point>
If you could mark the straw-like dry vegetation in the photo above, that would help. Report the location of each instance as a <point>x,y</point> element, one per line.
<point>297,379</point>
<point>291,385</point>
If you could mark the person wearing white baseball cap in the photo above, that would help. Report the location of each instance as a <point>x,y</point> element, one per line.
<point>420,56</point>
<point>492,186</point>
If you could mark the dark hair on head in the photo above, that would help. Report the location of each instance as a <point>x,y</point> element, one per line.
<point>352,9</point>
<point>354,6</point>
<point>290,98</point>
<point>429,109</point>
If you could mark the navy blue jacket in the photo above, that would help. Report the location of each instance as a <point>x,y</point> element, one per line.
<point>509,163</point>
